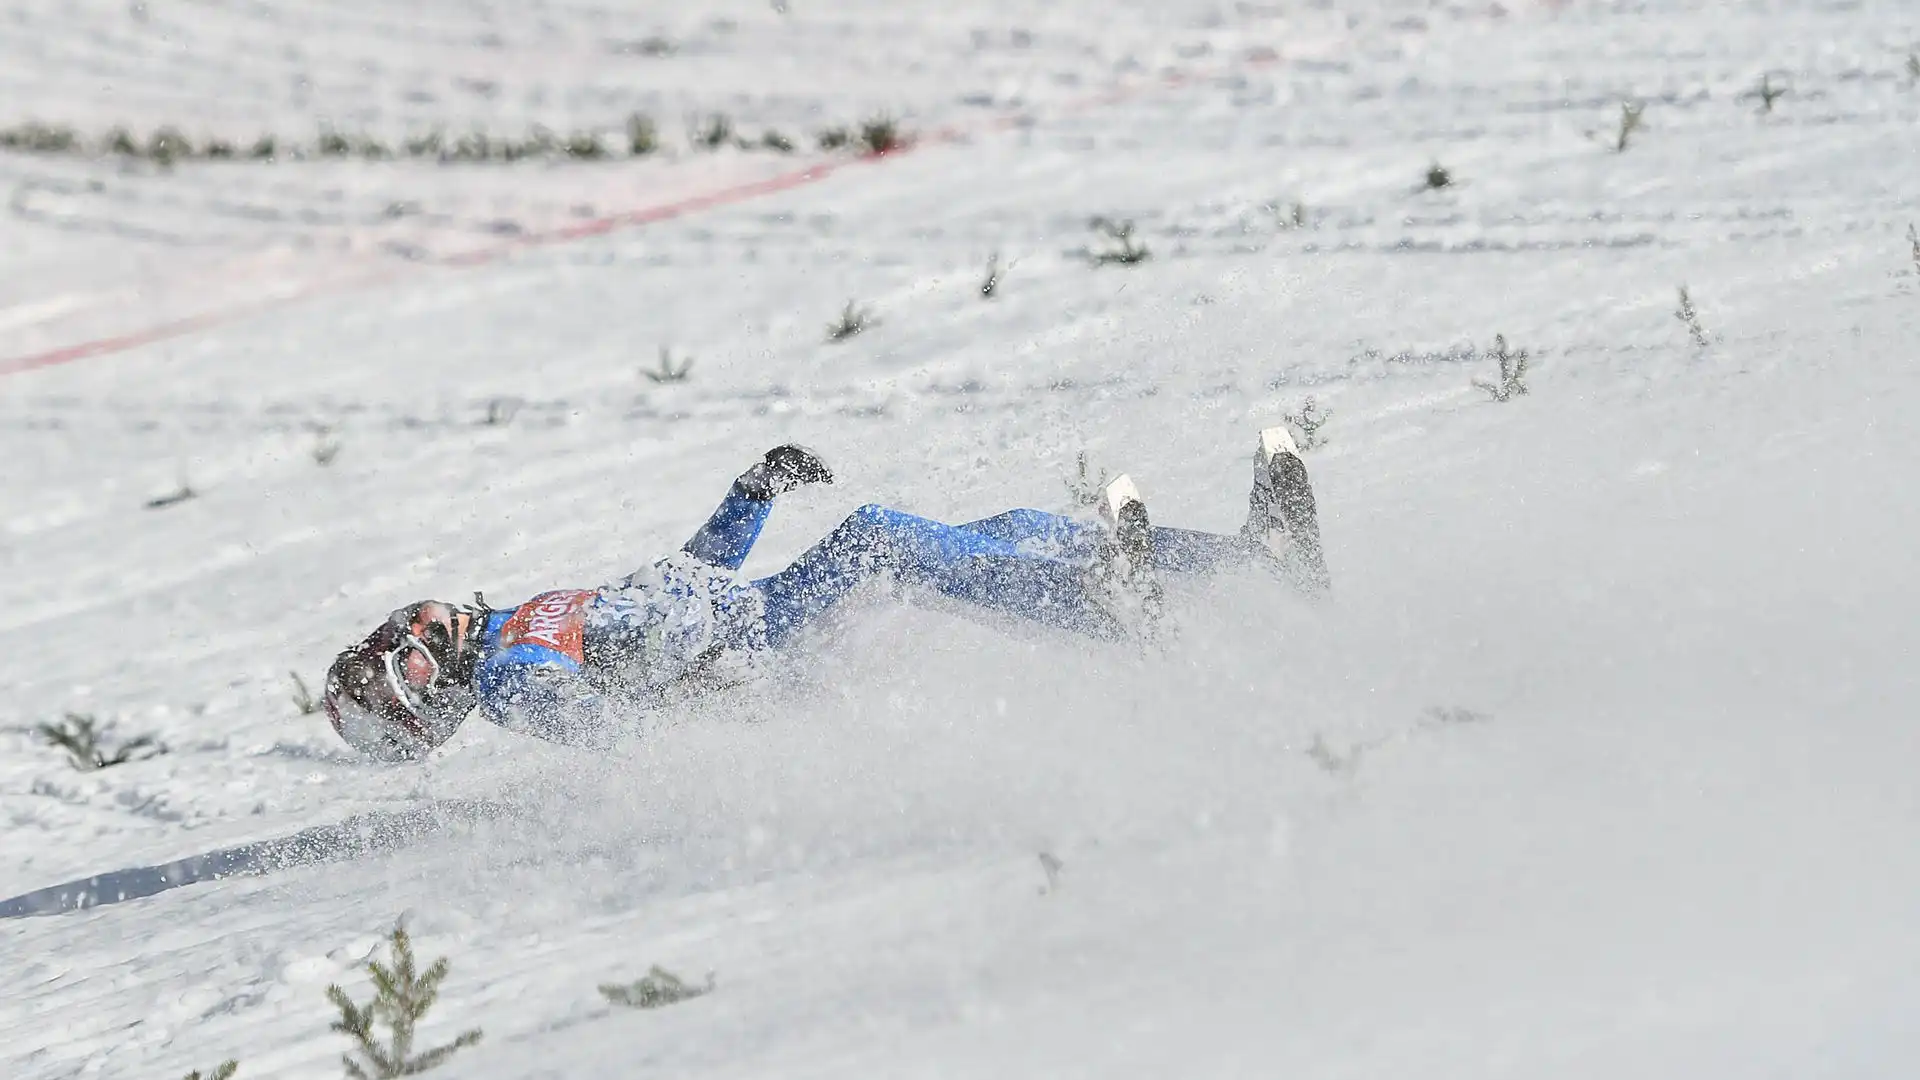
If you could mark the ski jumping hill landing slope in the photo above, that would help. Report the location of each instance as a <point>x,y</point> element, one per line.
<point>1600,763</point>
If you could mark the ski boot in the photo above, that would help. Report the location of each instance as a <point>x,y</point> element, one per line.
<point>1122,582</point>
<point>1282,522</point>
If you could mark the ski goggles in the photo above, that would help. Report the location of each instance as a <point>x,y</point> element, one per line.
<point>410,659</point>
<point>412,673</point>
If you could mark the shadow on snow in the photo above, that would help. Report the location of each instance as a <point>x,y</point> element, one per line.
<point>357,837</point>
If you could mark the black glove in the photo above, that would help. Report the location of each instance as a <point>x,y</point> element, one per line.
<point>783,469</point>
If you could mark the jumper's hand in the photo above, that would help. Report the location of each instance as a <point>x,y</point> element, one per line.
<point>783,469</point>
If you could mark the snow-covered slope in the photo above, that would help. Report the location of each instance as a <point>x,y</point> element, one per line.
<point>1600,764</point>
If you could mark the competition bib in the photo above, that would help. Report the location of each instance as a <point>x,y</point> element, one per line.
<point>555,620</point>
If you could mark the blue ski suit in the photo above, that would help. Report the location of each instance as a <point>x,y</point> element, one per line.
<point>555,664</point>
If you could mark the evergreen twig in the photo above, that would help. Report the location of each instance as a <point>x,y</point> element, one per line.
<point>501,411</point>
<point>1308,422</point>
<point>325,447</point>
<point>303,698</point>
<point>1084,487</point>
<point>1513,372</point>
<point>659,987</point>
<point>1050,865</point>
<point>37,138</point>
<point>711,132</point>
<point>667,372</point>
<point>881,135</point>
<point>172,498</point>
<point>853,320</point>
<point>81,737</point>
<point>1126,251</point>
<point>402,998</point>
<point>642,137</point>
<point>1687,314</point>
<point>1630,112</point>
<point>584,146</point>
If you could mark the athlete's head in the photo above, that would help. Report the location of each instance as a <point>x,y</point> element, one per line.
<point>404,689</point>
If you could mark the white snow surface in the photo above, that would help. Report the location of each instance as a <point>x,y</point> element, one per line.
<point>1678,835</point>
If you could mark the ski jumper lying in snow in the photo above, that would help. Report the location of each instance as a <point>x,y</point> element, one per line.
<point>555,665</point>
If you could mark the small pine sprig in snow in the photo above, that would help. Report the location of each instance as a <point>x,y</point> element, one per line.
<point>991,283</point>
<point>1913,238</point>
<point>710,132</point>
<point>658,988</point>
<point>402,998</point>
<point>853,320</point>
<point>1084,487</point>
<point>325,447</point>
<point>1513,372</point>
<point>881,135</point>
<point>642,137</point>
<point>173,498</point>
<point>1308,422</point>
<point>303,698</point>
<point>1332,760</point>
<point>1688,315</point>
<point>1767,93</point>
<point>584,146</point>
<point>80,736</point>
<point>1125,251</point>
<point>1630,112</point>
<point>224,1072</point>
<point>37,138</point>
<point>501,411</point>
<point>1050,865</point>
<point>667,371</point>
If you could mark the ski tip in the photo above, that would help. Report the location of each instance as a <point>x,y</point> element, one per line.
<point>1276,441</point>
<point>1119,491</point>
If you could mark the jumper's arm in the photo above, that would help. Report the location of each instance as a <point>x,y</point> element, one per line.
<point>729,533</point>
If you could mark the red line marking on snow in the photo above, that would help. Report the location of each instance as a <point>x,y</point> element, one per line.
<point>648,215</point>
<point>1253,58</point>
<point>121,343</point>
<point>167,331</point>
